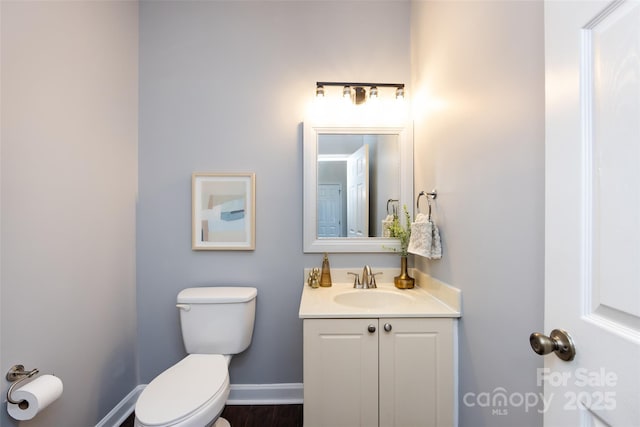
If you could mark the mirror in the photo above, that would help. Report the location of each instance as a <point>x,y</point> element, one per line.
<point>353,178</point>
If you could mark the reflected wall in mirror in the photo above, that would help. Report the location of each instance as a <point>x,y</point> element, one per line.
<point>353,178</point>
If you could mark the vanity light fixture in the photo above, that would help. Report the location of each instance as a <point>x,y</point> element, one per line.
<point>359,93</point>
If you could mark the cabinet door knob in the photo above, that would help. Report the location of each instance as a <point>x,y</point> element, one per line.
<point>371,328</point>
<point>387,327</point>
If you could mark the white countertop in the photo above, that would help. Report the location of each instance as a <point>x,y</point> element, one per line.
<point>429,298</point>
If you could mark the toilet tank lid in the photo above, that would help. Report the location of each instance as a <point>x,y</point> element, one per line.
<point>218,294</point>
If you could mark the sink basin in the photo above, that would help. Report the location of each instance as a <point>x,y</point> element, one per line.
<point>371,298</point>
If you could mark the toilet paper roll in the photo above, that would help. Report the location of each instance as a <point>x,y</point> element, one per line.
<point>37,395</point>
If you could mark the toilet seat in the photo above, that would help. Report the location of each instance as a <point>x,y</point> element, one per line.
<point>191,392</point>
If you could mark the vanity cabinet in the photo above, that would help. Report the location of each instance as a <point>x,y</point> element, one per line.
<point>387,372</point>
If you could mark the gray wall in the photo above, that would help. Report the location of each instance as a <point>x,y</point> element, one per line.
<point>69,174</point>
<point>224,86</point>
<point>478,78</point>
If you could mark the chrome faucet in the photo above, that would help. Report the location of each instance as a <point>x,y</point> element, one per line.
<point>368,279</point>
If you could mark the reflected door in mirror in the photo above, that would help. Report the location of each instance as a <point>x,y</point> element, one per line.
<point>358,195</point>
<point>329,210</point>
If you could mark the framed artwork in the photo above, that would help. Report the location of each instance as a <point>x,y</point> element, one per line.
<point>223,211</point>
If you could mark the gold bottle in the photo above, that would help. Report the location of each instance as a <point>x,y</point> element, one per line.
<point>325,276</point>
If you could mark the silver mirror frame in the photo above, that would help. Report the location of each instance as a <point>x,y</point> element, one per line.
<point>311,243</point>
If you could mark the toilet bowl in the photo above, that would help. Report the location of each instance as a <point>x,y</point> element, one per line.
<point>216,322</point>
<point>194,391</point>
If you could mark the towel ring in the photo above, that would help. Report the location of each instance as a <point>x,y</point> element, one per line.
<point>391,201</point>
<point>432,195</point>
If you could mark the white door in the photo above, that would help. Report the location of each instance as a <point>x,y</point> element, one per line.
<point>592,278</point>
<point>358,193</point>
<point>329,210</point>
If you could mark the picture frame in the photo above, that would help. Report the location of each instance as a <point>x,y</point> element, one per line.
<point>223,211</point>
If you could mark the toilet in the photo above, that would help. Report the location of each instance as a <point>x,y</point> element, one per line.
<point>217,322</point>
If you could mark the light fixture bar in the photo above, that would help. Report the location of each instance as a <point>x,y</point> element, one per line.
<point>357,93</point>
<point>354,84</point>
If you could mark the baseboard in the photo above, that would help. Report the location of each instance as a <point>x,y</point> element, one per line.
<point>241,394</point>
<point>265,394</point>
<point>122,410</point>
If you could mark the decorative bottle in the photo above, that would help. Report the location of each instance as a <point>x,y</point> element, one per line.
<point>325,276</point>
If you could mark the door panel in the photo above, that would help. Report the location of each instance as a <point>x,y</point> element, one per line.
<point>592,243</point>
<point>416,373</point>
<point>611,104</point>
<point>340,352</point>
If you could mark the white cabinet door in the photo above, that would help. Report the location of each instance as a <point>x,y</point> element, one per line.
<point>340,373</point>
<point>416,372</point>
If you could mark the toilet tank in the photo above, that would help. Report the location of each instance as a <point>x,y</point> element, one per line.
<point>217,320</point>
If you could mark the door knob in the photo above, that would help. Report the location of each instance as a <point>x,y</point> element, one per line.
<point>387,327</point>
<point>371,328</point>
<point>559,342</point>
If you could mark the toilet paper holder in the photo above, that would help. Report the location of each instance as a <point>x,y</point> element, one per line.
<point>16,375</point>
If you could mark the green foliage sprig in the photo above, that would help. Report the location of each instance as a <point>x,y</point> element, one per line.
<point>401,233</point>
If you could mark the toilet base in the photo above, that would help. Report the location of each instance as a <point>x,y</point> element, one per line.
<point>221,422</point>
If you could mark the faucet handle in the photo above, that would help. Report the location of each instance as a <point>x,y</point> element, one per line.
<point>356,280</point>
<point>372,281</point>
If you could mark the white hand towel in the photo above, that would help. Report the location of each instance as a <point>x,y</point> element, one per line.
<point>386,226</point>
<point>425,238</point>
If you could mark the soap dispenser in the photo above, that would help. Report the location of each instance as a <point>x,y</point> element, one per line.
<point>325,276</point>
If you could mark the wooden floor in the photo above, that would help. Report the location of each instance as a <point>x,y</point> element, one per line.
<point>256,416</point>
